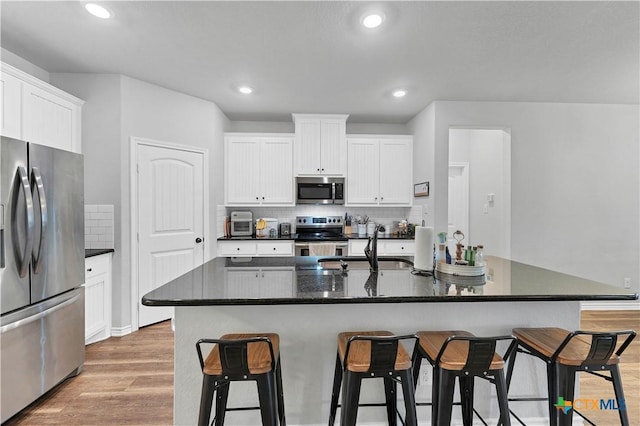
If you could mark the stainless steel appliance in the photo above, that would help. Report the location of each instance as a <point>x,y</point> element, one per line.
<point>285,229</point>
<point>241,224</point>
<point>320,229</point>
<point>41,270</point>
<point>319,190</point>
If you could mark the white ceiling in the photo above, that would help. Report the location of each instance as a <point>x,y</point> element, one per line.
<point>315,57</point>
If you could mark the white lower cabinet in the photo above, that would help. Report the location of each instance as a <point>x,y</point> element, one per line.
<point>255,248</point>
<point>97,298</point>
<point>385,247</point>
<point>259,283</point>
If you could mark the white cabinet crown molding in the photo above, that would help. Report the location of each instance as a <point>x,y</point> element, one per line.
<point>28,78</point>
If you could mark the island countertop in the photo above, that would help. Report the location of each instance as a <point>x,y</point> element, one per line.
<point>301,280</point>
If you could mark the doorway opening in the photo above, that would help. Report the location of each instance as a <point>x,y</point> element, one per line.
<point>480,188</point>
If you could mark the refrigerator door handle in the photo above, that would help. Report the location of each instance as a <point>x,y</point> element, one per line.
<point>37,185</point>
<point>39,315</point>
<point>22,259</point>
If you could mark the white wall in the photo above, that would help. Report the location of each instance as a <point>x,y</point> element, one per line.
<point>288,127</point>
<point>483,150</point>
<point>117,108</point>
<point>23,65</point>
<point>575,177</point>
<point>422,126</point>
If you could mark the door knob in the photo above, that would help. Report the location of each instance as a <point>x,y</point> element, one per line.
<point>198,240</point>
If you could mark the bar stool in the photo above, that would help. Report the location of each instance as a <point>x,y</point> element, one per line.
<point>370,354</point>
<point>567,353</point>
<point>461,354</point>
<point>240,357</point>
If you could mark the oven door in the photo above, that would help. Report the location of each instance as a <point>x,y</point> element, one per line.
<point>302,249</point>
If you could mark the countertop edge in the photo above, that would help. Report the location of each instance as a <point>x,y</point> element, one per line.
<point>96,252</point>
<point>353,301</point>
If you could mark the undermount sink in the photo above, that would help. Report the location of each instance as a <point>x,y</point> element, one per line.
<point>353,263</point>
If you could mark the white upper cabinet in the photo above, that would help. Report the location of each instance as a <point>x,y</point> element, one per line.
<point>35,111</point>
<point>380,170</point>
<point>320,144</point>
<point>258,169</point>
<point>11,98</point>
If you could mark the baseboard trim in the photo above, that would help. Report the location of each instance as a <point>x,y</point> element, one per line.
<point>120,331</point>
<point>617,305</point>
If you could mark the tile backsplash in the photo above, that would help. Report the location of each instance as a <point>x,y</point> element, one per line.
<point>288,214</point>
<point>98,226</point>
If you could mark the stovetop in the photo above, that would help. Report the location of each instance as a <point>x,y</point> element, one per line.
<point>319,228</point>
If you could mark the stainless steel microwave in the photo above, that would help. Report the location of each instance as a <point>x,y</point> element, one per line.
<point>319,190</point>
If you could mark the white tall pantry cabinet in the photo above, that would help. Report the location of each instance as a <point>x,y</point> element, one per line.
<point>380,170</point>
<point>35,111</point>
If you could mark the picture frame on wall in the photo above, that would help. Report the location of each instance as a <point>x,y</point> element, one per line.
<point>421,189</point>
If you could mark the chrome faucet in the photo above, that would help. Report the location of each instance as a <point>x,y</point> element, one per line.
<point>371,250</point>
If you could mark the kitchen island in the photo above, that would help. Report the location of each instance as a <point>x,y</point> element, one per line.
<point>308,302</point>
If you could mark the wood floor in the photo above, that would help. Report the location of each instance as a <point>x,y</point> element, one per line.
<point>129,380</point>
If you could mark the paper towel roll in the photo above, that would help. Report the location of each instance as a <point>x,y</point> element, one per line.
<point>423,259</point>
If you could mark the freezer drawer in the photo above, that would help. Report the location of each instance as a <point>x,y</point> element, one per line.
<point>39,347</point>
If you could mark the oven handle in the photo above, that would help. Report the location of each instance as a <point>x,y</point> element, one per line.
<point>341,244</point>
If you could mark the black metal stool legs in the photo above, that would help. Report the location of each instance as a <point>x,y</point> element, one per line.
<point>337,382</point>
<point>351,384</point>
<point>617,388</point>
<point>503,401</point>
<point>447,385</point>
<point>206,399</point>
<point>281,415</point>
<point>390,389</point>
<point>222,395</point>
<point>408,393</point>
<point>266,395</point>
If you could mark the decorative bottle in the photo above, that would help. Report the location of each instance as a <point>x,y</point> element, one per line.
<point>480,256</point>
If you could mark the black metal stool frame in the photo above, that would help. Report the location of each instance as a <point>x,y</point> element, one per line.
<point>233,357</point>
<point>561,378</point>
<point>383,358</point>
<point>479,358</point>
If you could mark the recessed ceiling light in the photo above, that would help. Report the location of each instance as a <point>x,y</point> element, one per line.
<point>399,93</point>
<point>97,10</point>
<point>372,20</point>
<point>245,90</point>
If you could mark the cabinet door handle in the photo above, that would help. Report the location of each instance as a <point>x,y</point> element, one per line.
<point>381,198</point>
<point>274,248</point>
<point>89,269</point>
<point>198,240</point>
<point>376,198</point>
<point>263,198</point>
<point>318,169</point>
<point>323,170</point>
<point>238,248</point>
<point>257,198</point>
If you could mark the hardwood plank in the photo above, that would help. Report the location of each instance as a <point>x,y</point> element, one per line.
<point>129,380</point>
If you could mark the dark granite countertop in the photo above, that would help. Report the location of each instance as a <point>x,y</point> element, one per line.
<point>383,237</point>
<point>96,252</point>
<point>254,238</point>
<point>301,280</point>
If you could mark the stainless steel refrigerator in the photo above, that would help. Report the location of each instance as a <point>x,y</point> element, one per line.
<point>41,270</point>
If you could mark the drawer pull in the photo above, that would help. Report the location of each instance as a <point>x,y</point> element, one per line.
<point>90,269</point>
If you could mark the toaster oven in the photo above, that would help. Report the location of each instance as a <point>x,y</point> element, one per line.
<point>241,224</point>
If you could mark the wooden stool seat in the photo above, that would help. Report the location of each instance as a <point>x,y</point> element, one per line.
<point>241,357</point>
<point>548,339</point>
<point>462,355</point>
<point>367,355</point>
<point>258,356</point>
<point>566,353</point>
<point>455,357</point>
<point>360,352</point>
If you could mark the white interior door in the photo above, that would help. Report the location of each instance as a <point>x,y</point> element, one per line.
<point>170,220</point>
<point>458,203</point>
